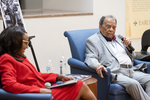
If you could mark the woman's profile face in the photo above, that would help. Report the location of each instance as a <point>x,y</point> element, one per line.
<point>25,43</point>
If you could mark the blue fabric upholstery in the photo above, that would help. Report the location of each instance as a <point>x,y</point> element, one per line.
<point>23,96</point>
<point>146,62</point>
<point>4,95</point>
<point>106,90</point>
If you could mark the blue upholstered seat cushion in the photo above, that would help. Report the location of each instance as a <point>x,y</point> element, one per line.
<point>116,89</point>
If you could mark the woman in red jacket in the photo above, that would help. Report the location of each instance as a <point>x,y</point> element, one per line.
<point>18,75</point>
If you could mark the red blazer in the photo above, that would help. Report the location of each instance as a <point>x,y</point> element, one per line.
<point>22,77</point>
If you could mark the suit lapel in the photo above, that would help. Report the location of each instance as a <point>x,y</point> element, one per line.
<point>119,42</point>
<point>106,44</point>
<point>27,63</point>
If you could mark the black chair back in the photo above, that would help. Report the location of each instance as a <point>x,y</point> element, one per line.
<point>145,41</point>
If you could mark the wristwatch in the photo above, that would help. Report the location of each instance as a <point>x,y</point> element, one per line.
<point>57,77</point>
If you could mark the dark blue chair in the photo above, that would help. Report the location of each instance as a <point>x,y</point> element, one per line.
<point>106,90</point>
<point>4,95</point>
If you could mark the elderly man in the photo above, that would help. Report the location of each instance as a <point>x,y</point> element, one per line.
<point>106,49</point>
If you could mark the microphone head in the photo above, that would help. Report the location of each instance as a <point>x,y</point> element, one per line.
<point>47,85</point>
<point>120,37</point>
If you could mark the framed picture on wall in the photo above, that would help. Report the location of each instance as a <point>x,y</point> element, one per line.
<point>11,13</point>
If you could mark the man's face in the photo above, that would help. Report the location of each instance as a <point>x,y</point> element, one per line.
<point>108,28</point>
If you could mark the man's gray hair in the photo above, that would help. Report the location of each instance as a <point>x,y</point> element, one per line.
<point>107,16</point>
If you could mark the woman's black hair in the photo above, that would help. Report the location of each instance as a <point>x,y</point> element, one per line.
<point>11,41</point>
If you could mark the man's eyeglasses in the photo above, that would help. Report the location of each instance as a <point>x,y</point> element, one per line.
<point>26,42</point>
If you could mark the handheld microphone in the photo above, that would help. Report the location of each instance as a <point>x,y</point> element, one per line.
<point>122,38</point>
<point>47,85</point>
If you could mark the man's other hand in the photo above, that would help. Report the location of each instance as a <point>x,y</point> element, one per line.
<point>99,70</point>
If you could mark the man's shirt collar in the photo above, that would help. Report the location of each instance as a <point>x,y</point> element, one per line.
<point>108,39</point>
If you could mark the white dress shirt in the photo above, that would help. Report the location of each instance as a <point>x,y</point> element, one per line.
<point>120,53</point>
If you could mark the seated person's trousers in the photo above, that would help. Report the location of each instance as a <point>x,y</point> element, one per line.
<point>132,80</point>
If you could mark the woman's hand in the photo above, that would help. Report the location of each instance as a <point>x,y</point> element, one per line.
<point>42,90</point>
<point>64,78</point>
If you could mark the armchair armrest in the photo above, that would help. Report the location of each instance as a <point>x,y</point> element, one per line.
<point>82,66</point>
<point>79,67</point>
<point>146,62</point>
<point>4,95</point>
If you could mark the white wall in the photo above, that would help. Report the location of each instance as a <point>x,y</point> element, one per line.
<point>50,42</point>
<point>72,5</point>
<point>32,4</point>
